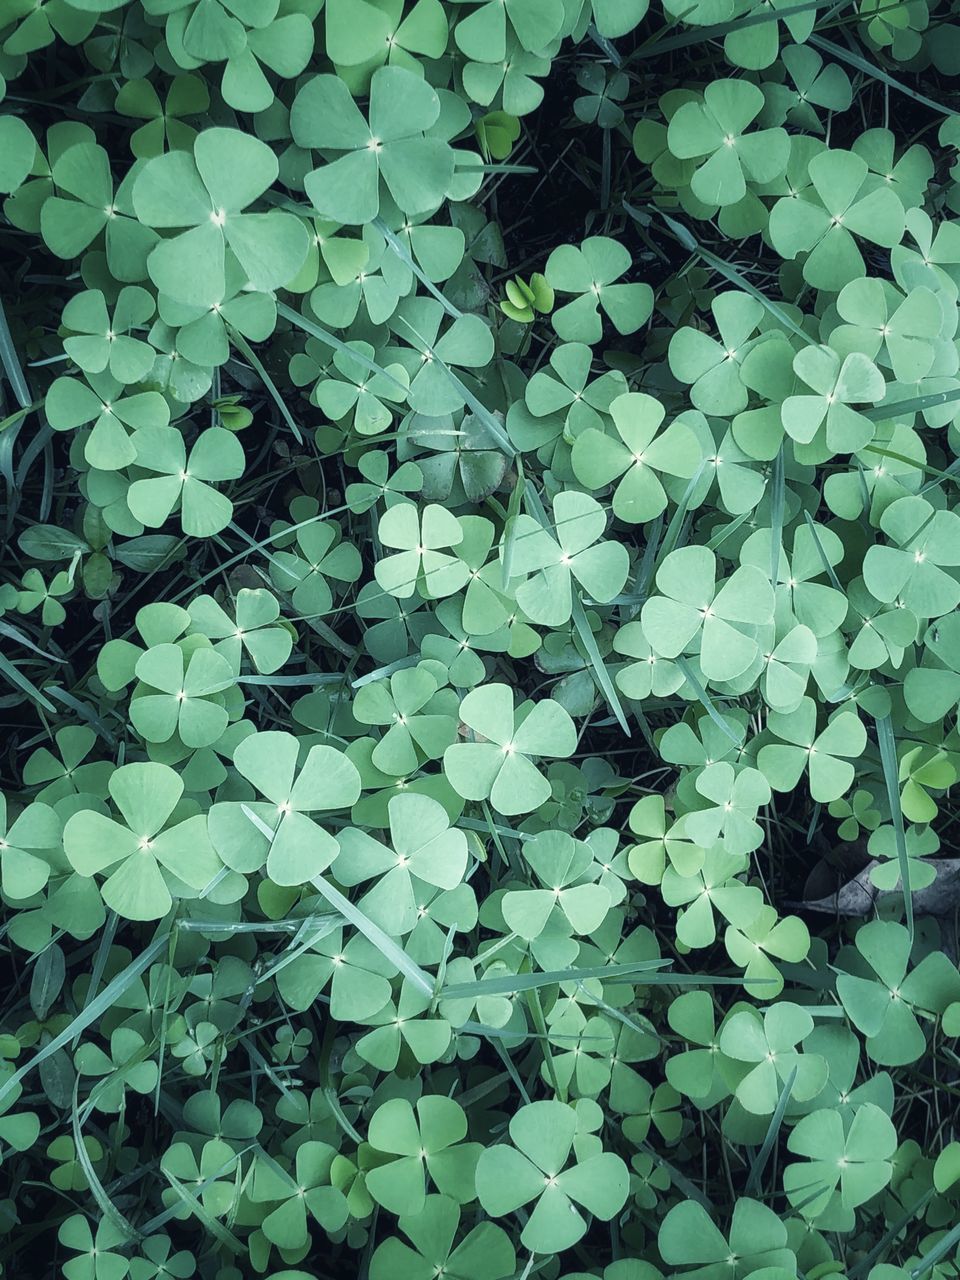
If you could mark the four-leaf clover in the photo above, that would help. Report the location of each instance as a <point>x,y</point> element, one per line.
<point>535,1168</point>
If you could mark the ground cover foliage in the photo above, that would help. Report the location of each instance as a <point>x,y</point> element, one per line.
<point>480,648</point>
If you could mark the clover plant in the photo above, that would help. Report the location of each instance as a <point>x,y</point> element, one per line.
<point>479,642</point>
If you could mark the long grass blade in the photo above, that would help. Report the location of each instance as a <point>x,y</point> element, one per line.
<point>511,983</point>
<point>939,1250</point>
<point>868,68</point>
<point>705,700</point>
<point>92,1013</point>
<point>888,759</point>
<point>11,363</point>
<point>658,45</point>
<point>883,412</point>
<point>776,518</point>
<point>602,675</point>
<point>770,1138</point>
<point>242,345</point>
<point>216,1229</point>
<point>376,936</point>
<point>726,269</point>
<point>109,1210</point>
<point>400,249</point>
<point>20,681</point>
<point>335,343</point>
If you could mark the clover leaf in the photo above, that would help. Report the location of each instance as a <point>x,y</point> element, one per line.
<point>485,1252</point>
<point>648,674</point>
<point>148,859</point>
<point>481,34</point>
<point>636,457</point>
<point>373,33</point>
<point>856,381</point>
<point>424,848</point>
<point>736,794</point>
<point>321,555</point>
<point>71,403</point>
<point>97,1259</point>
<point>919,842</point>
<point>713,367</point>
<point>717,129</point>
<point>852,1158</point>
<point>691,607</point>
<point>562,864</point>
<point>103,341</point>
<point>416,169</point>
<point>139,100</point>
<point>277,832</point>
<point>914,571</point>
<point>208,192</point>
<point>879,317</point>
<point>466,343</point>
<point>87,205</point>
<point>757,1239</point>
<point>825,756</point>
<point>880,995</point>
<point>660,841</point>
<point>397,703</point>
<point>821,219</point>
<point>535,1168</point>
<point>468,463</point>
<point>358,392</point>
<point>751,942</point>
<point>420,561</point>
<point>185,480</point>
<point>771,1045</point>
<point>181,694</point>
<point>585,402</point>
<point>591,271</point>
<point>575,554</point>
<point>306,1189</point>
<point>427,1141</point>
<point>34,831</point>
<point>499,764</point>
<point>253,629</point>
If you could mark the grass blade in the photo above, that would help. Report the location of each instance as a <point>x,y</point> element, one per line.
<point>93,1011</point>
<point>400,249</point>
<point>776,518</point>
<point>868,68</point>
<point>938,1251</point>
<point>510,524</point>
<point>242,345</point>
<point>334,343</point>
<point>705,700</point>
<point>532,500</point>
<point>827,566</point>
<point>654,47</point>
<point>513,982</point>
<point>688,240</point>
<point>672,537</point>
<point>376,936</point>
<point>883,412</point>
<point>11,364</point>
<point>888,759</point>
<point>601,674</point>
<point>914,1213</point>
<point>17,678</point>
<point>479,410</point>
<point>217,1229</point>
<point>770,1138</point>
<point>107,1207</point>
